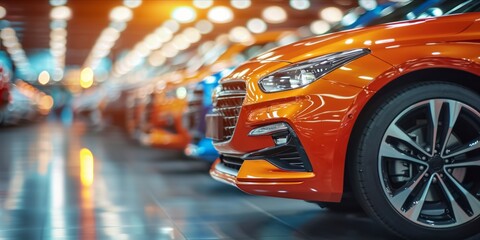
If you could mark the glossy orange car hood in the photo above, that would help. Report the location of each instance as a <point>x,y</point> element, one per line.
<point>382,36</point>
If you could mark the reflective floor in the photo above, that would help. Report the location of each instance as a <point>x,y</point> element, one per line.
<point>60,182</point>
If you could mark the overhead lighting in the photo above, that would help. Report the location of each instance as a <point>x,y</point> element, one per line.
<point>204,26</point>
<point>121,14</point>
<point>202,3</point>
<point>331,14</point>
<point>172,25</point>
<point>17,54</point>
<point>61,13</point>
<point>120,26</point>
<point>180,42</point>
<point>132,3</point>
<point>169,51</point>
<point>274,14</point>
<point>220,14</point>
<point>59,33</point>
<point>58,2</point>
<point>319,27</point>
<point>184,14</point>
<point>240,34</point>
<point>368,4</point>
<point>256,25</point>
<point>58,24</point>
<point>192,34</point>
<point>141,49</point>
<point>240,4</point>
<point>350,18</point>
<point>58,39</point>
<point>3,12</point>
<point>110,34</point>
<point>44,77</point>
<point>164,34</point>
<point>152,41</point>
<point>300,4</point>
<point>156,59</point>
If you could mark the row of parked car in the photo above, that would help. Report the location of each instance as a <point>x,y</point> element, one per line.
<point>21,102</point>
<point>386,117</point>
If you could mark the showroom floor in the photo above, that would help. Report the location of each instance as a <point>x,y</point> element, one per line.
<point>52,189</point>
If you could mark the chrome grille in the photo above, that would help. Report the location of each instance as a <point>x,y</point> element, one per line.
<point>228,102</point>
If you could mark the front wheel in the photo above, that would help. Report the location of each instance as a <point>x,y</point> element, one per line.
<point>416,164</point>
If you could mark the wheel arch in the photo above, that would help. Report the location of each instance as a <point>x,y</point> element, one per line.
<point>461,77</point>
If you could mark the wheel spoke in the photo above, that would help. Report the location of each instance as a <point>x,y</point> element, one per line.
<point>400,196</point>
<point>387,150</point>
<point>435,109</point>
<point>459,214</point>
<point>472,200</point>
<point>395,132</point>
<point>473,162</point>
<point>471,146</point>
<point>414,212</point>
<point>454,109</point>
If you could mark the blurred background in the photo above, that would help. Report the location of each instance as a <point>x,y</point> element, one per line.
<point>83,53</point>
<point>102,106</point>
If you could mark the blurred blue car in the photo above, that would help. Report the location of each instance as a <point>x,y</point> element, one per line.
<point>199,104</point>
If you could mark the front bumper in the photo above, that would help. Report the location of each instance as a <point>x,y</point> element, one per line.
<point>316,121</point>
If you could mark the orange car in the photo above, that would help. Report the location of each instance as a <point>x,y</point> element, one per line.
<point>169,103</point>
<point>136,102</point>
<point>391,112</point>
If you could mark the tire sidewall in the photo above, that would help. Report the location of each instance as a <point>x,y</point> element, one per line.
<point>367,159</point>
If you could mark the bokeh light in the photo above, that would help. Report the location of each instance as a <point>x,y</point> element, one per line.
<point>86,167</point>
<point>319,27</point>
<point>300,4</point>
<point>240,34</point>
<point>121,14</point>
<point>3,12</point>
<point>171,25</point>
<point>57,2</point>
<point>274,14</point>
<point>204,26</point>
<point>331,14</point>
<point>202,4</point>
<point>240,4</point>
<point>43,77</point>
<point>132,3</point>
<point>61,13</point>
<point>86,77</point>
<point>220,14</point>
<point>256,25</point>
<point>368,4</point>
<point>184,14</point>
<point>192,34</point>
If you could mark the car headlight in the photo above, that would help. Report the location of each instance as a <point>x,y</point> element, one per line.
<point>306,72</point>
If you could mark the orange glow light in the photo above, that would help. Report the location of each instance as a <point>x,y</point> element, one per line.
<point>86,78</point>
<point>86,167</point>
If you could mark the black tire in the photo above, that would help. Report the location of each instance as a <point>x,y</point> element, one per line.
<point>392,188</point>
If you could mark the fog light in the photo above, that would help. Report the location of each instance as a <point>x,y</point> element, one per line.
<point>280,140</point>
<point>269,129</point>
